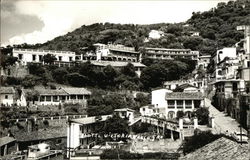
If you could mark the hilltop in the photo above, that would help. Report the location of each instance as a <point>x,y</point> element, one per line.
<point>217,28</point>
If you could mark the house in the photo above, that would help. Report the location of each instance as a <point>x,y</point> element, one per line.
<point>182,101</point>
<point>38,150</point>
<point>56,137</point>
<point>113,52</point>
<point>219,149</point>
<point>82,132</point>
<point>167,103</point>
<point>125,113</point>
<point>204,61</point>
<point>42,151</point>
<point>119,64</point>
<point>57,96</point>
<point>26,56</point>
<point>147,110</point>
<point>7,96</point>
<point>166,53</point>
<point>155,34</point>
<point>7,145</point>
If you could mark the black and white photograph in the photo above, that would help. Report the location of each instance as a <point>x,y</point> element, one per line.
<point>125,80</point>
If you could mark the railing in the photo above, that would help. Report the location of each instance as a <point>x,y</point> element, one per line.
<point>48,118</point>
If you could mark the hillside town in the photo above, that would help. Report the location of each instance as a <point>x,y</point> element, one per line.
<point>116,101</point>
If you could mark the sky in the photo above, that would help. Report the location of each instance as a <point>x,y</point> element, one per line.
<point>37,21</point>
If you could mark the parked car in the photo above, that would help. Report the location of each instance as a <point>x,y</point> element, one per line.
<point>240,137</point>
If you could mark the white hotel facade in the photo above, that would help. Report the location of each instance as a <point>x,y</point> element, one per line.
<point>26,56</point>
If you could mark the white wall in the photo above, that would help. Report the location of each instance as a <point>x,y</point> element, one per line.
<point>73,134</point>
<point>158,97</point>
<point>9,101</point>
<point>226,52</point>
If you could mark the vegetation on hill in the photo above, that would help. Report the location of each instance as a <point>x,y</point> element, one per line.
<point>217,29</point>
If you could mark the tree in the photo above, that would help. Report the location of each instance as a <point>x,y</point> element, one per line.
<point>59,75</point>
<point>35,69</point>
<point>7,60</point>
<point>202,115</point>
<point>77,80</point>
<point>110,75</point>
<point>128,70</point>
<point>49,58</point>
<point>30,81</point>
<point>116,124</point>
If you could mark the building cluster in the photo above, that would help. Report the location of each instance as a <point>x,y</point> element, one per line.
<point>111,54</point>
<point>68,95</point>
<point>166,104</point>
<point>230,79</point>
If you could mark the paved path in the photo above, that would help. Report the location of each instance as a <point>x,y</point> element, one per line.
<point>223,123</point>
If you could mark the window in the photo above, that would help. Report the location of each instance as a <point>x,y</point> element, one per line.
<point>40,58</point>
<point>188,104</point>
<point>248,64</point>
<point>42,98</point>
<point>6,96</point>
<point>60,58</point>
<point>143,109</point>
<point>171,104</point>
<point>70,58</point>
<point>179,103</point>
<point>72,96</point>
<point>33,57</point>
<point>20,56</point>
<point>55,99</point>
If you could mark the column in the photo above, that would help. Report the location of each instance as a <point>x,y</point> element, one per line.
<point>195,123</point>
<point>192,104</point>
<point>175,104</point>
<point>184,105</point>
<point>172,134</point>
<point>5,149</point>
<point>212,122</point>
<point>181,129</point>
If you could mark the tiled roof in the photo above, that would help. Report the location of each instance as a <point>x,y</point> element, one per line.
<point>220,149</point>
<point>89,120</point>
<point>7,90</point>
<point>76,91</point>
<point>6,140</point>
<point>124,109</point>
<point>184,95</point>
<point>41,134</point>
<point>116,63</point>
<point>51,91</point>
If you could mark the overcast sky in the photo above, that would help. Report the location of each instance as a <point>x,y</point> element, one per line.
<point>36,21</point>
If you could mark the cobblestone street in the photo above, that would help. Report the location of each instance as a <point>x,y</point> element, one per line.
<point>223,123</point>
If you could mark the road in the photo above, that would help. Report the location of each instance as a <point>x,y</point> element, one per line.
<point>223,123</point>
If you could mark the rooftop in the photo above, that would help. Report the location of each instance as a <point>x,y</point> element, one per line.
<point>5,140</point>
<point>73,90</point>
<point>7,90</point>
<point>184,95</point>
<point>90,120</point>
<point>124,109</point>
<point>116,63</point>
<point>167,49</point>
<point>221,148</point>
<point>57,132</point>
<point>51,91</point>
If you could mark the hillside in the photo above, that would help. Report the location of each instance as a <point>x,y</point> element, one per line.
<point>217,29</point>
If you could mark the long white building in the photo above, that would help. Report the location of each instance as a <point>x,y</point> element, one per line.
<point>166,53</point>
<point>26,56</point>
